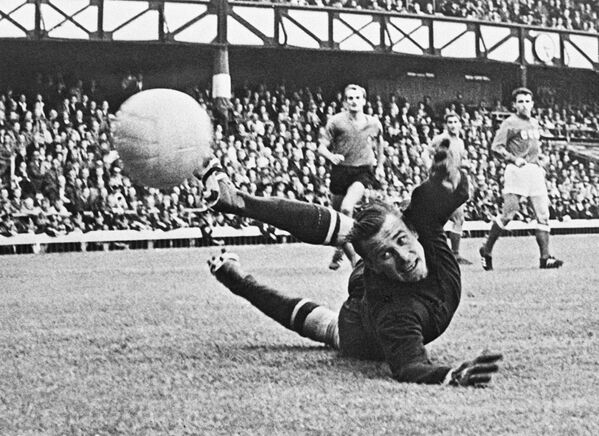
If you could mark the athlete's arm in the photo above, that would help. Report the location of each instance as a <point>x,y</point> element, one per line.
<point>404,350</point>
<point>380,156</point>
<point>324,142</point>
<point>432,202</point>
<point>427,155</point>
<point>406,355</point>
<point>464,161</point>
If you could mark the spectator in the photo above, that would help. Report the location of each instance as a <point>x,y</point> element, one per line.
<point>269,149</point>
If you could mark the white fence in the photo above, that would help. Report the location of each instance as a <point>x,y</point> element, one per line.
<point>186,237</point>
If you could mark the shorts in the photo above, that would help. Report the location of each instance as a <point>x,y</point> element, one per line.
<point>342,177</point>
<point>457,219</point>
<point>527,181</point>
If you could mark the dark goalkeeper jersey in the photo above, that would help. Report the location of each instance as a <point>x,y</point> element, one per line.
<point>406,316</point>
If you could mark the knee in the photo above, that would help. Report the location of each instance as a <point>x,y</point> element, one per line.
<point>505,218</point>
<point>542,215</point>
<point>508,212</point>
<point>456,227</point>
<point>322,325</point>
<point>347,206</point>
<point>543,219</point>
<point>345,210</point>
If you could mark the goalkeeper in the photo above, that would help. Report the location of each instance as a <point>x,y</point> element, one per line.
<point>402,294</point>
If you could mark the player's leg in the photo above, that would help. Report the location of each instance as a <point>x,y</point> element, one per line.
<point>355,182</point>
<point>303,316</point>
<point>454,234</point>
<point>354,194</point>
<point>511,205</point>
<point>336,201</point>
<point>540,205</point>
<point>515,185</point>
<point>310,223</point>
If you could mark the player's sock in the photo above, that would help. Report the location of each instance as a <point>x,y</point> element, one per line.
<point>454,242</point>
<point>315,322</point>
<point>303,316</point>
<point>494,234</point>
<point>542,236</point>
<point>308,222</point>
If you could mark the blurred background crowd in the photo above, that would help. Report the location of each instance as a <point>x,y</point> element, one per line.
<point>59,172</point>
<point>560,14</point>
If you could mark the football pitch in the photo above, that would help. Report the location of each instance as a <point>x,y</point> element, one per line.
<point>147,342</point>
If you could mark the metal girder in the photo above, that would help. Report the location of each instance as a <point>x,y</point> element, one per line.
<point>284,25</point>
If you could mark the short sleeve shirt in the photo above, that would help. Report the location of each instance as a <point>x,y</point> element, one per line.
<point>520,136</point>
<point>354,139</point>
<point>456,145</point>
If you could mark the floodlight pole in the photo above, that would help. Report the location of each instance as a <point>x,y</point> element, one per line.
<point>221,79</point>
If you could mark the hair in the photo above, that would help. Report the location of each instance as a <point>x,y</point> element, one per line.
<point>354,87</point>
<point>369,221</point>
<point>450,115</point>
<point>519,91</point>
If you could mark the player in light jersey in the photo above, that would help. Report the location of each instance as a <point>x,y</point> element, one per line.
<point>456,146</point>
<point>348,141</point>
<point>518,143</point>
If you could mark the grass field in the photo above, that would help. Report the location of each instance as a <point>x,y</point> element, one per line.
<point>146,342</point>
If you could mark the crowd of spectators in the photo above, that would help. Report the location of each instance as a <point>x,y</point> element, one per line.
<point>561,14</point>
<point>66,177</point>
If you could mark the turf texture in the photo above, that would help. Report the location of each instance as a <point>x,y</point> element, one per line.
<point>147,342</point>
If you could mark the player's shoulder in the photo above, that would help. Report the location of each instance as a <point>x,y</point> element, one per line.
<point>337,121</point>
<point>511,119</point>
<point>373,120</point>
<point>339,117</point>
<point>439,137</point>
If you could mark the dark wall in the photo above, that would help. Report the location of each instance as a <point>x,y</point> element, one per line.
<point>173,66</point>
<point>382,74</point>
<point>552,85</point>
<point>183,66</point>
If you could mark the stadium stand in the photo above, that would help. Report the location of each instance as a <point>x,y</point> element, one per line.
<point>560,14</point>
<point>571,15</point>
<point>60,174</point>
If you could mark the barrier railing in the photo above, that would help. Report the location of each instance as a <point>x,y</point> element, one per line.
<point>192,237</point>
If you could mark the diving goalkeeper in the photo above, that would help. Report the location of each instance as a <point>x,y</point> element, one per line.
<point>404,291</point>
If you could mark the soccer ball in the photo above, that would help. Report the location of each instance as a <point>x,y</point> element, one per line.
<point>162,136</point>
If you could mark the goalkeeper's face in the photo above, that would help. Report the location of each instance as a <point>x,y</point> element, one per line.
<point>395,251</point>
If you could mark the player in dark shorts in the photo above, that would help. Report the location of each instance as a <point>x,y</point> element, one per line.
<point>342,177</point>
<point>348,141</point>
<point>404,291</point>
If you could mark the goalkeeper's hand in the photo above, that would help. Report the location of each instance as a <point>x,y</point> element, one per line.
<point>477,372</point>
<point>445,170</point>
<point>226,268</point>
